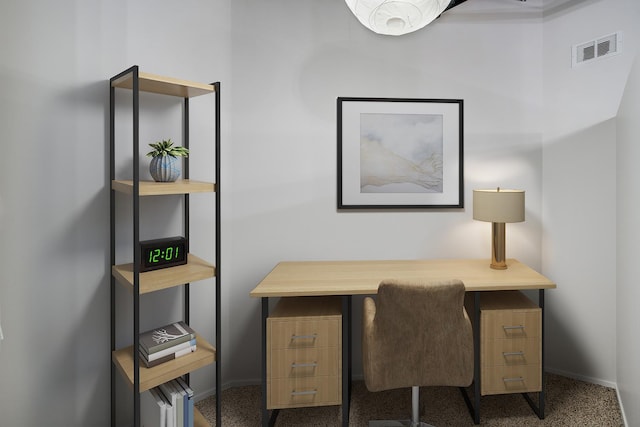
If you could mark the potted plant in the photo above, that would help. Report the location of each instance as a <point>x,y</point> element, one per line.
<point>164,166</point>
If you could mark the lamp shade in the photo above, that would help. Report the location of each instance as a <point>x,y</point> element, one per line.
<point>396,17</point>
<point>498,205</point>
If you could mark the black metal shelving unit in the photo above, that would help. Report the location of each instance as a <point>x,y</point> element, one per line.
<point>125,360</point>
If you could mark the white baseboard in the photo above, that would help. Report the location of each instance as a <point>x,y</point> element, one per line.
<point>212,391</point>
<point>579,377</point>
<point>624,417</point>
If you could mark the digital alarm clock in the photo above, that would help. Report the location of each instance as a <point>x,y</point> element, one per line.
<point>162,253</point>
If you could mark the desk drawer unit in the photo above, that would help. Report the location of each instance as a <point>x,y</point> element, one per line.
<point>510,343</point>
<point>304,356</point>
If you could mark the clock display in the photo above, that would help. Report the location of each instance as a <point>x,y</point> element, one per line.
<point>162,253</point>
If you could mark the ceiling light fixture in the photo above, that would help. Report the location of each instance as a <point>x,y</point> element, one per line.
<point>396,17</point>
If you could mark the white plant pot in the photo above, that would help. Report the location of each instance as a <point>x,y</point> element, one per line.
<point>165,168</point>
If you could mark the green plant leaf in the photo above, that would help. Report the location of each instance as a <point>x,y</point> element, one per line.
<point>166,147</point>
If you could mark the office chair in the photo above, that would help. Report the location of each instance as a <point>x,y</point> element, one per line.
<point>418,334</point>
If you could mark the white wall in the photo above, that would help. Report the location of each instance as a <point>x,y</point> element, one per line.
<point>628,234</point>
<point>579,188</point>
<point>291,64</point>
<point>55,62</point>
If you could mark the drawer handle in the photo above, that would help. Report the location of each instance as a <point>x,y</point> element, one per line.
<point>303,393</point>
<point>513,353</point>
<point>509,328</point>
<point>304,365</point>
<point>512,380</point>
<point>304,337</point>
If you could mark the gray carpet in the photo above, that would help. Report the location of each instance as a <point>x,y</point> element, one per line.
<point>569,403</point>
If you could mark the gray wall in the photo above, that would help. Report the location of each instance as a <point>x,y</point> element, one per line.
<point>286,82</point>
<point>282,65</point>
<point>579,203</point>
<point>628,233</point>
<point>55,62</point>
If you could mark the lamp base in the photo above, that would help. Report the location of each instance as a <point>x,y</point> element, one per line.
<point>498,266</point>
<point>498,260</point>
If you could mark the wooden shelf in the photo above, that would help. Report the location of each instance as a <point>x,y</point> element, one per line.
<point>195,269</point>
<point>198,419</point>
<point>152,377</point>
<point>164,85</point>
<point>152,188</point>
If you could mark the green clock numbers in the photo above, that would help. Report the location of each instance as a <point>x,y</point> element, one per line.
<point>163,253</point>
<point>167,254</point>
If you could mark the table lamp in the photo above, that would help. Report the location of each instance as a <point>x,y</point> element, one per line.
<point>498,207</point>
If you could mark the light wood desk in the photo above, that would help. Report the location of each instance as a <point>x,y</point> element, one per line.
<point>348,278</point>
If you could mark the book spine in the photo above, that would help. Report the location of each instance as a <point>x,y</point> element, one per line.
<point>170,350</point>
<point>188,401</point>
<point>156,362</point>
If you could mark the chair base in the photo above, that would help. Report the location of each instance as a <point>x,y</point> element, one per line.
<point>403,423</point>
<point>415,415</point>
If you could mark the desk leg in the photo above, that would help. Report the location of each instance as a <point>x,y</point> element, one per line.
<point>474,408</point>
<point>265,314</point>
<point>346,358</point>
<point>544,381</point>
<point>476,357</point>
<point>539,409</point>
<point>266,420</point>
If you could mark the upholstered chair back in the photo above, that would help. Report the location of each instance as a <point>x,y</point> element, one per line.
<point>417,334</point>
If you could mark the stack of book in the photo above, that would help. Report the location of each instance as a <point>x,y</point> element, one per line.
<point>160,345</point>
<point>168,405</point>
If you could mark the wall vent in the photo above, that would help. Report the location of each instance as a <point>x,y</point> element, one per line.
<point>601,47</point>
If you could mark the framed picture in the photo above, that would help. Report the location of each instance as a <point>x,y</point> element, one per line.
<point>400,153</point>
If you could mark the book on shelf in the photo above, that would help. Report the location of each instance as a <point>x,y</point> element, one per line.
<point>183,404</point>
<point>170,350</point>
<point>188,401</point>
<point>173,354</point>
<point>167,336</point>
<point>168,405</point>
<point>170,392</point>
<point>170,420</point>
<point>153,409</point>
<point>178,397</point>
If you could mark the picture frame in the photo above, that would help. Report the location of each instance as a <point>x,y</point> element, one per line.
<point>400,153</point>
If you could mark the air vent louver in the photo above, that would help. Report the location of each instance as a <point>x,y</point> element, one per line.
<point>608,45</point>
<point>599,48</point>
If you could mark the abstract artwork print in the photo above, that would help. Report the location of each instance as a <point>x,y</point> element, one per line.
<point>401,153</point>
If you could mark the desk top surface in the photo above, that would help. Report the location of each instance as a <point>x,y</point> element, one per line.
<point>312,278</point>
